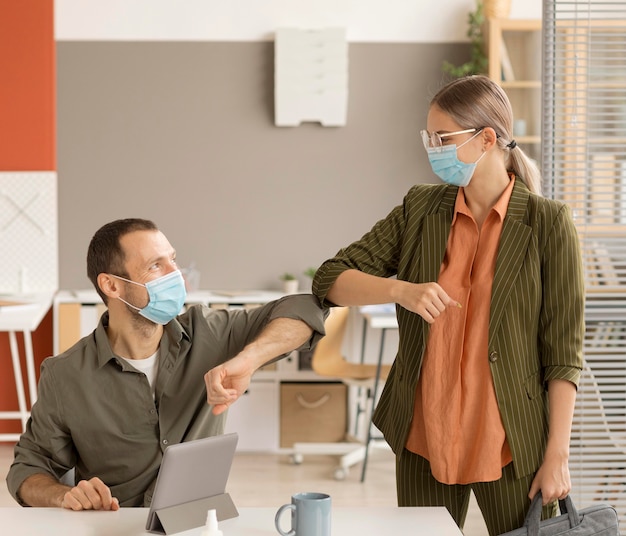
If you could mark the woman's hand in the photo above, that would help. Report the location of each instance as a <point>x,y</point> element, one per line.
<point>428,300</point>
<point>552,479</point>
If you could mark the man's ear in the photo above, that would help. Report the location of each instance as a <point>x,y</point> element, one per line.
<point>109,285</point>
<point>489,138</point>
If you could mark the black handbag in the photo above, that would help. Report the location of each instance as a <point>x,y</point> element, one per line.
<point>598,520</point>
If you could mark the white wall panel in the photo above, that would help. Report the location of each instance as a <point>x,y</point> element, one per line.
<point>250,20</point>
<point>28,232</point>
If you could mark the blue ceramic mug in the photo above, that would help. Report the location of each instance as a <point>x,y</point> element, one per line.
<point>310,515</point>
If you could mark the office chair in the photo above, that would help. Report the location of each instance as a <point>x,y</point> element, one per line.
<point>328,360</point>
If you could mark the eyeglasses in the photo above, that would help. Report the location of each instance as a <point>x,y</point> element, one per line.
<point>436,139</point>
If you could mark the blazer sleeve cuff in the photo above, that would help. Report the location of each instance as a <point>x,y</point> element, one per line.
<point>559,372</point>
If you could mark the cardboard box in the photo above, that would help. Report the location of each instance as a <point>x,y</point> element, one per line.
<point>312,412</point>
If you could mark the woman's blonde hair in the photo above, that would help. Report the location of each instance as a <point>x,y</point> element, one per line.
<point>477,101</point>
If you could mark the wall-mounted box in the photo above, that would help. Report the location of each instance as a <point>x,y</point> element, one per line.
<point>311,76</point>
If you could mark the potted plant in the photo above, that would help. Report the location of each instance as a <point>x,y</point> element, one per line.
<point>310,273</point>
<point>290,283</point>
<point>478,62</point>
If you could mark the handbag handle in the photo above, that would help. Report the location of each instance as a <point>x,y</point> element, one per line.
<point>534,513</point>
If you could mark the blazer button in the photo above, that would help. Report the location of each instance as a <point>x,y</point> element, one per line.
<point>493,356</point>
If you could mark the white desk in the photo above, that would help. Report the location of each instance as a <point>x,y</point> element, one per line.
<point>25,318</point>
<point>363,521</point>
<point>228,297</point>
<point>380,316</point>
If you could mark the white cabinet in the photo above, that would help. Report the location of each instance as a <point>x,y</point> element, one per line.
<point>255,417</point>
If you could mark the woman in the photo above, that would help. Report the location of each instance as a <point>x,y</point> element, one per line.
<point>489,300</point>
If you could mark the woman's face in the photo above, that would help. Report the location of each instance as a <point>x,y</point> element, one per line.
<point>441,123</point>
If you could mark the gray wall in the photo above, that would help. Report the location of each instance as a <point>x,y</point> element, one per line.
<point>182,133</point>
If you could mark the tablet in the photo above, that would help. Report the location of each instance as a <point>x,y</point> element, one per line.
<point>191,480</point>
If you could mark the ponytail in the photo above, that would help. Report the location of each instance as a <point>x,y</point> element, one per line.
<point>524,168</point>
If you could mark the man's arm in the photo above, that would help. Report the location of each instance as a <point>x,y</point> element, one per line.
<point>44,451</point>
<point>227,382</point>
<point>44,490</point>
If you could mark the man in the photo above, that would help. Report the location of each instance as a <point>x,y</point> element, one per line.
<point>110,405</point>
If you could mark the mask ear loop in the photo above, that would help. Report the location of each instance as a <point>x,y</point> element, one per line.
<point>128,280</point>
<point>469,139</point>
<point>129,304</point>
<point>134,283</point>
<point>480,157</point>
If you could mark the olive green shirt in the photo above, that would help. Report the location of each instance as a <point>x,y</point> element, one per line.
<point>96,413</point>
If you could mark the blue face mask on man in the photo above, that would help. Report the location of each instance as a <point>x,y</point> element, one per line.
<point>167,296</point>
<point>447,166</point>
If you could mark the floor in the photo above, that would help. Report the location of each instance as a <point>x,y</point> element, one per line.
<point>270,479</point>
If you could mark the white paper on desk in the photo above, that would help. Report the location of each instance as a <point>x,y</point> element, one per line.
<point>382,309</point>
<point>234,293</point>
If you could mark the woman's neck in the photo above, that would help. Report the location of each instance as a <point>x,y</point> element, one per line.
<point>483,193</point>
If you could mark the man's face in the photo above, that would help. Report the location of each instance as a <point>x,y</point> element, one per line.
<point>148,256</point>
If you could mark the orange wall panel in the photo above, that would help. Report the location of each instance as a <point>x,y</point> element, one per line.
<point>27,86</point>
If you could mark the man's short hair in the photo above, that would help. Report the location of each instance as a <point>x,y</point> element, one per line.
<point>105,254</point>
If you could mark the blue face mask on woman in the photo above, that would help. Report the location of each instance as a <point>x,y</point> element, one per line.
<point>167,296</point>
<point>447,166</point>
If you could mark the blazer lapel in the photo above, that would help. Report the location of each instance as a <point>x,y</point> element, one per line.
<point>511,252</point>
<point>435,236</point>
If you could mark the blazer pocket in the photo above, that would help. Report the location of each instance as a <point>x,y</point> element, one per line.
<point>533,385</point>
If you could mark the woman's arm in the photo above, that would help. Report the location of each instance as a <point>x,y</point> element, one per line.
<point>353,287</point>
<point>553,477</point>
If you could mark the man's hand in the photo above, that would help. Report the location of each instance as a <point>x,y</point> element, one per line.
<point>43,490</point>
<point>90,494</point>
<point>226,383</point>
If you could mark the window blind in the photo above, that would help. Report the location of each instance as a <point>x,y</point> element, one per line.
<point>584,164</point>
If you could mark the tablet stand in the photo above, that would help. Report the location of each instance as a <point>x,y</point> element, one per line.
<point>192,514</point>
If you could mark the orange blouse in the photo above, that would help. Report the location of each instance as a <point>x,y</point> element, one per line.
<point>456,421</point>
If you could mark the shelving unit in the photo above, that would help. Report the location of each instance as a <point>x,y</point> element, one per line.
<point>514,54</point>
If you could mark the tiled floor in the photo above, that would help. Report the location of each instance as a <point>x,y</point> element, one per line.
<point>270,479</point>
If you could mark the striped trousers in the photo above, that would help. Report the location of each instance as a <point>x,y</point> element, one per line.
<point>503,503</point>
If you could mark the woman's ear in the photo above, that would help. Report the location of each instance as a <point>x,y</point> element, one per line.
<point>490,138</point>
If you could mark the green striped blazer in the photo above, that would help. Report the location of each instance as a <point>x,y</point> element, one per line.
<point>536,325</point>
